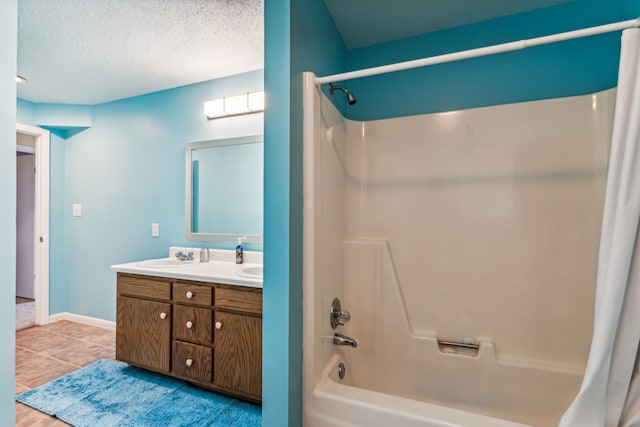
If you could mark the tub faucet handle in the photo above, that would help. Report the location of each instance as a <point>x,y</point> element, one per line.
<point>338,315</point>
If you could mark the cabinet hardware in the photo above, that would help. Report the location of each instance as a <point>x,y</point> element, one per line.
<point>218,325</point>
<point>163,315</point>
<point>189,294</point>
<point>189,324</point>
<point>189,362</point>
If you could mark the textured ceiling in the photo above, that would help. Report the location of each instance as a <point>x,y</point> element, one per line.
<point>400,19</point>
<point>94,51</point>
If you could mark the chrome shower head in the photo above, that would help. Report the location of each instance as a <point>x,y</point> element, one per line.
<point>350,98</point>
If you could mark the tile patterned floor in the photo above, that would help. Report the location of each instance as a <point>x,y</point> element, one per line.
<point>44,353</point>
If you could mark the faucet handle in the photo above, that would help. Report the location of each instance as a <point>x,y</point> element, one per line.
<point>338,316</point>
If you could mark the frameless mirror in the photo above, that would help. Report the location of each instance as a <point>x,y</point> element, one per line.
<point>224,189</point>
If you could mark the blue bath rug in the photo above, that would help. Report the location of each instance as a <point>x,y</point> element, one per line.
<point>112,394</point>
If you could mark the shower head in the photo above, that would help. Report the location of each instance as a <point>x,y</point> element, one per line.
<point>350,98</point>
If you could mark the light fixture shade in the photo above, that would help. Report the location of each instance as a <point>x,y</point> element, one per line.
<point>213,109</point>
<point>234,105</point>
<point>256,101</point>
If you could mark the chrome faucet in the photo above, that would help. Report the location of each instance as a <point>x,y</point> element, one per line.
<point>339,339</point>
<point>184,257</point>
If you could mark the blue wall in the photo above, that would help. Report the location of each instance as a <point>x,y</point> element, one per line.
<point>8,55</point>
<point>127,171</point>
<point>277,392</point>
<point>561,69</point>
<point>629,9</point>
<point>299,36</point>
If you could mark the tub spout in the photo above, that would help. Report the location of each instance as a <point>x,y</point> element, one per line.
<point>339,339</point>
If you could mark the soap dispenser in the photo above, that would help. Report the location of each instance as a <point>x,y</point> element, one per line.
<point>239,251</point>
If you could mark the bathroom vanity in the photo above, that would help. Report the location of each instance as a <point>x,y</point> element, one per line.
<point>205,332</point>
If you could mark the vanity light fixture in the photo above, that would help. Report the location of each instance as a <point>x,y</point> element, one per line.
<point>20,79</point>
<point>227,106</point>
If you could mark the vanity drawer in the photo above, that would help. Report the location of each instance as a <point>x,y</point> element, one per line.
<point>192,324</point>
<point>193,361</point>
<point>236,299</point>
<point>143,287</point>
<point>192,294</point>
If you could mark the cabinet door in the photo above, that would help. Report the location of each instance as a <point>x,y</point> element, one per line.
<point>143,333</point>
<point>238,353</point>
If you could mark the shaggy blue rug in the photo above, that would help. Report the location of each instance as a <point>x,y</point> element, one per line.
<point>108,393</point>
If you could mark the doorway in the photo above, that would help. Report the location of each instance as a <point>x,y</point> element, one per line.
<point>33,257</point>
<point>25,230</point>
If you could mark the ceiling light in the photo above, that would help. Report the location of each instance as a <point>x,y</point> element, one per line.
<point>229,106</point>
<point>20,79</point>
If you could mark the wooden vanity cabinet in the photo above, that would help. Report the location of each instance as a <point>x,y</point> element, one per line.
<point>212,337</point>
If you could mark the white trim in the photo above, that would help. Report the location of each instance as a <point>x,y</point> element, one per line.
<point>85,320</point>
<point>41,229</point>
<point>483,51</point>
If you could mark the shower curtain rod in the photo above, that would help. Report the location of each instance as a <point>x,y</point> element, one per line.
<point>482,51</point>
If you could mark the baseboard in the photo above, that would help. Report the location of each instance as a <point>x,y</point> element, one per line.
<point>79,318</point>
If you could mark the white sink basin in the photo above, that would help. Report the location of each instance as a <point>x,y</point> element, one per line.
<point>165,263</point>
<point>253,272</point>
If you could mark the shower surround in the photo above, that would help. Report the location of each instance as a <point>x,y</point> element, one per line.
<point>479,226</point>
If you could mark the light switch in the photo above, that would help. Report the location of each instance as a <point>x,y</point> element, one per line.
<point>77,209</point>
<point>155,229</point>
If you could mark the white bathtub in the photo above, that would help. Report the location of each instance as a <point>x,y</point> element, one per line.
<point>335,404</point>
<point>398,376</point>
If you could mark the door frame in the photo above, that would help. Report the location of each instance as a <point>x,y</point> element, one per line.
<point>41,222</point>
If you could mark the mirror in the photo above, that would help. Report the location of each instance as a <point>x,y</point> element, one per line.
<point>224,189</point>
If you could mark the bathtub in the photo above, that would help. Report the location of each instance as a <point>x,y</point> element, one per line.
<point>337,404</point>
<point>404,377</point>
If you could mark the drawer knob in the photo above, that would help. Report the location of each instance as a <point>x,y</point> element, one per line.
<point>218,325</point>
<point>189,362</point>
<point>189,294</point>
<point>189,324</point>
<point>163,315</point>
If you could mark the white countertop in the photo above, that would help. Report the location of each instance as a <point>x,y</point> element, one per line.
<point>216,271</point>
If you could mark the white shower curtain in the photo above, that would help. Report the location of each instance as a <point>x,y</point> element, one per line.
<point>610,392</point>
